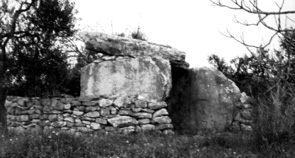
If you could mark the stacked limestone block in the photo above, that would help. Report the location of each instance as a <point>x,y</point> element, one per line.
<point>243,119</point>
<point>83,115</point>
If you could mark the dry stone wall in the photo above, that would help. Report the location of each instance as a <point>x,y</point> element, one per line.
<point>243,116</point>
<point>102,115</point>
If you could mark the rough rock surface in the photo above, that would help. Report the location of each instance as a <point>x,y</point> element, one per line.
<point>85,115</point>
<point>215,97</point>
<point>145,76</point>
<point>121,46</point>
<point>202,99</point>
<point>137,86</point>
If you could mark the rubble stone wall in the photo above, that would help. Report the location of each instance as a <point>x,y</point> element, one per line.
<point>243,116</point>
<point>123,115</point>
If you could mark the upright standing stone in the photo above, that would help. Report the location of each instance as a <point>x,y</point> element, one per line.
<point>214,97</point>
<point>149,77</point>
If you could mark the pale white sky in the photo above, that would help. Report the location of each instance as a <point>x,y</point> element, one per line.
<point>188,25</point>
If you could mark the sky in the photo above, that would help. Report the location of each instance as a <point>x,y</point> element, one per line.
<point>192,26</point>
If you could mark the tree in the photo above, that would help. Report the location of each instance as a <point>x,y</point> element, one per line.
<point>253,7</point>
<point>262,60</point>
<point>270,78</point>
<point>30,36</point>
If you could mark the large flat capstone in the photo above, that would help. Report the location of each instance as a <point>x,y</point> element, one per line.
<point>115,45</point>
<point>145,76</point>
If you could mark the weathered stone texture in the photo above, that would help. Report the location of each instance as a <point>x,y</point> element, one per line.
<point>115,45</point>
<point>82,115</point>
<point>130,76</point>
<point>204,99</point>
<point>215,97</point>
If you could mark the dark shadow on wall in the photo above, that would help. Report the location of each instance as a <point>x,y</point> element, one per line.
<point>180,101</point>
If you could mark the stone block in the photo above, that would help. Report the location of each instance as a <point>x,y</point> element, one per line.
<point>148,110</point>
<point>162,120</point>
<point>125,112</point>
<point>168,132</point>
<point>75,103</point>
<point>147,127</point>
<point>140,104</point>
<point>105,111</point>
<point>52,117</point>
<point>142,115</point>
<point>56,104</point>
<point>23,118</point>
<point>160,112</point>
<point>113,110</point>
<point>95,126</point>
<point>157,105</point>
<point>105,102</point>
<point>122,121</point>
<point>143,121</point>
<point>149,77</point>
<point>92,114</point>
<point>35,116</point>
<point>101,121</point>
<point>67,106</point>
<point>89,103</point>
<point>78,113</point>
<point>22,101</point>
<point>127,130</point>
<point>69,119</point>
<point>91,108</point>
<point>164,126</point>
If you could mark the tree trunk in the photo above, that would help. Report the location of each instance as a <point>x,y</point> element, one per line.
<point>3,121</point>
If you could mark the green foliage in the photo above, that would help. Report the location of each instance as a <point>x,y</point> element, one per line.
<point>141,145</point>
<point>137,34</point>
<point>270,80</point>
<point>148,145</point>
<point>134,34</point>
<point>36,65</point>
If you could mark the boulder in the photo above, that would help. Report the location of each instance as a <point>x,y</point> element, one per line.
<point>145,76</point>
<point>202,99</point>
<point>213,98</point>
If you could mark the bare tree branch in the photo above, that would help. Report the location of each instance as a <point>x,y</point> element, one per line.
<point>243,6</point>
<point>251,6</point>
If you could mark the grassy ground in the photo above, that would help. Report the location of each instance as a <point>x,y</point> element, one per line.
<point>147,145</point>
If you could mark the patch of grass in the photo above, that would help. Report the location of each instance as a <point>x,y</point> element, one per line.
<point>142,145</point>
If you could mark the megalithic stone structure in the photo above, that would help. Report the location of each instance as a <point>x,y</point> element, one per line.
<point>137,86</point>
<point>128,67</point>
